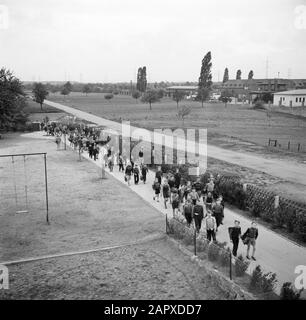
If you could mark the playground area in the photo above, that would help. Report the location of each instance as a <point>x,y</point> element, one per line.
<point>86,213</point>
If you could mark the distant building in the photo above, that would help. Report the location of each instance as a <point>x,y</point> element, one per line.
<point>189,90</point>
<point>249,89</point>
<point>291,98</point>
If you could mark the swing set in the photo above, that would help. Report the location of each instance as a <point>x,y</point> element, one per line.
<point>23,156</point>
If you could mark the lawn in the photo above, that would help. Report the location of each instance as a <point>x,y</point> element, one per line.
<point>234,123</point>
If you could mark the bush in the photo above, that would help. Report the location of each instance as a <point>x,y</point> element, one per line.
<point>225,257</point>
<point>205,177</point>
<point>264,208</point>
<point>268,282</point>
<point>232,191</point>
<point>299,226</point>
<point>179,230</point>
<point>202,245</point>
<point>259,105</point>
<point>108,96</point>
<point>263,282</point>
<point>289,293</point>
<point>279,216</point>
<point>241,266</point>
<point>290,218</point>
<point>188,237</point>
<point>256,278</point>
<point>213,252</point>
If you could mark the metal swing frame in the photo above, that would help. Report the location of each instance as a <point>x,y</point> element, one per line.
<point>26,187</point>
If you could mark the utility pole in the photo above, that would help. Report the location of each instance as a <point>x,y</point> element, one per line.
<point>267,68</point>
<point>289,73</point>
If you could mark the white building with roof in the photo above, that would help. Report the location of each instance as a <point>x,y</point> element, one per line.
<point>189,90</point>
<point>291,98</point>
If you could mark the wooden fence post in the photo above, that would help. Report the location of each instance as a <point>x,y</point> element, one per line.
<point>230,269</point>
<point>276,202</point>
<point>195,241</point>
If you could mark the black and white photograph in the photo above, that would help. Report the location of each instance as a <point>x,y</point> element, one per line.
<point>153,153</point>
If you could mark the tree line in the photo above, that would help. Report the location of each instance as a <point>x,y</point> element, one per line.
<point>238,75</point>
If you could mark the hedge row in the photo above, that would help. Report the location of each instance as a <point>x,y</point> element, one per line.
<point>261,203</point>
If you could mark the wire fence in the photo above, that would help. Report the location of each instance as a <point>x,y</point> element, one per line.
<point>289,145</point>
<point>219,256</point>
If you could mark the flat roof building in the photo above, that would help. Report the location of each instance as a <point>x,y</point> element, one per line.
<point>291,98</point>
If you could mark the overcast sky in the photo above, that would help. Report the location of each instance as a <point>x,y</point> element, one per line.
<point>107,40</point>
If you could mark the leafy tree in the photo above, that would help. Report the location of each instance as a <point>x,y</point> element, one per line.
<point>138,84</point>
<point>40,93</point>
<point>205,79</point>
<point>225,97</point>
<point>225,76</point>
<point>203,95</point>
<point>238,75</point>
<point>251,75</point>
<point>144,79</point>
<point>68,87</point>
<point>12,100</point>
<point>65,91</point>
<point>184,112</point>
<point>141,79</point>
<point>178,96</point>
<point>54,89</point>
<point>136,94</point>
<point>150,96</point>
<point>109,96</point>
<point>266,97</point>
<point>86,89</point>
<point>160,93</point>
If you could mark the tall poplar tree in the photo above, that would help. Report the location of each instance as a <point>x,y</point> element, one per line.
<point>225,76</point>
<point>205,79</point>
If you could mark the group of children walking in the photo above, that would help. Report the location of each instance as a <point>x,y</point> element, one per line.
<point>197,202</point>
<point>203,205</point>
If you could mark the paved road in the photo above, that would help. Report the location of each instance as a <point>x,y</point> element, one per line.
<point>274,252</point>
<point>287,170</point>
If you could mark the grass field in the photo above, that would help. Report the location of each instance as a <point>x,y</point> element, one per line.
<point>233,124</point>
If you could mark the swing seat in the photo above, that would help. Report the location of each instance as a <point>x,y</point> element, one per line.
<point>22,211</point>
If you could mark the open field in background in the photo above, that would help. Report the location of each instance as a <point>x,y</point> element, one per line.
<point>235,125</point>
<point>95,103</point>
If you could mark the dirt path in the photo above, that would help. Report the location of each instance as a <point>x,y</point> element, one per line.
<point>287,170</point>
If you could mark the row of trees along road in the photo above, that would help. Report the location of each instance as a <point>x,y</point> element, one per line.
<point>12,101</point>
